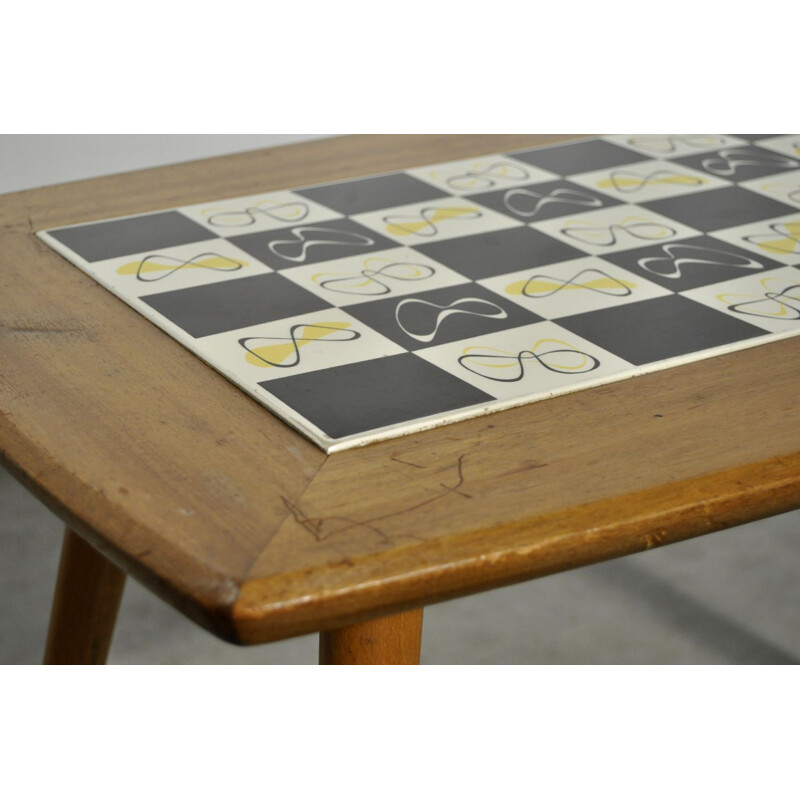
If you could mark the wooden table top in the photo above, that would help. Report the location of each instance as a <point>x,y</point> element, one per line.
<point>251,530</point>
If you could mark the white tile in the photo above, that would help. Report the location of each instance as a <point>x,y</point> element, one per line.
<point>435,220</point>
<point>572,287</point>
<point>258,212</point>
<point>359,279</point>
<point>647,180</point>
<point>778,239</point>
<point>484,174</point>
<point>787,145</point>
<point>673,145</point>
<point>770,301</point>
<point>295,345</point>
<point>177,268</point>
<point>527,363</point>
<point>784,187</point>
<point>610,230</point>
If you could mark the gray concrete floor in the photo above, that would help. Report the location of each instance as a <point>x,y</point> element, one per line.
<point>727,598</point>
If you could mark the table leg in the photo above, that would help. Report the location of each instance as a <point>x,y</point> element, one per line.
<point>387,640</point>
<point>88,594</point>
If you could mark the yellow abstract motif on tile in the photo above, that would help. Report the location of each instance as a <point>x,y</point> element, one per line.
<point>428,218</point>
<point>273,355</point>
<point>773,303</point>
<point>232,218</point>
<point>563,358</point>
<point>547,286</point>
<point>371,279</point>
<point>483,175</point>
<point>606,235</point>
<point>790,187</point>
<point>785,238</point>
<point>630,181</point>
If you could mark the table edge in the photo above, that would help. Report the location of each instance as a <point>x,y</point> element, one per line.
<point>523,550</point>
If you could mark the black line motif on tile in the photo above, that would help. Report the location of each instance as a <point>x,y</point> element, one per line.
<point>727,162</point>
<point>606,235</point>
<point>528,203</point>
<point>540,286</point>
<point>678,256</point>
<point>413,305</point>
<point>309,236</point>
<point>282,212</point>
<point>424,223</point>
<point>670,144</point>
<point>289,346</point>
<point>488,177</point>
<point>788,241</point>
<point>783,305</point>
<point>565,360</point>
<point>372,281</point>
<point>627,181</point>
<point>169,265</point>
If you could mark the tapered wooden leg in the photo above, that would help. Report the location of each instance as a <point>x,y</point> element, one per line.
<point>387,640</point>
<point>88,594</point>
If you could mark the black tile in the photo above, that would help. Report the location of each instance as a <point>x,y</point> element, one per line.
<point>310,244</point>
<point>489,254</point>
<point>230,305</point>
<point>693,262</point>
<point>540,201</point>
<point>654,330</point>
<point>371,194</point>
<point>740,163</point>
<point>753,137</point>
<point>439,316</point>
<point>571,159</point>
<point>123,237</point>
<point>716,209</point>
<point>355,398</point>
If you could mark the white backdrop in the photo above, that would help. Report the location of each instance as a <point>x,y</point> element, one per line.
<point>27,161</point>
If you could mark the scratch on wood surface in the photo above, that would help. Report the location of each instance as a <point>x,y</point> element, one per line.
<point>223,439</point>
<point>527,466</point>
<point>407,463</point>
<point>460,480</point>
<point>41,329</point>
<point>31,326</point>
<point>322,528</point>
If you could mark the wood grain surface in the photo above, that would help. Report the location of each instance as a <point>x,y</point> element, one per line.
<point>396,639</point>
<point>249,529</point>
<point>85,605</point>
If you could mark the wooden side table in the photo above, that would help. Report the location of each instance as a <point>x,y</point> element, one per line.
<point>164,470</point>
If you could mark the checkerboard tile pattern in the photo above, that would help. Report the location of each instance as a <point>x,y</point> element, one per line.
<point>369,308</point>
